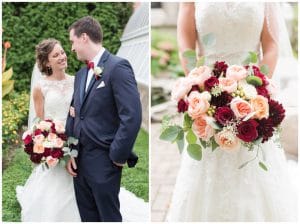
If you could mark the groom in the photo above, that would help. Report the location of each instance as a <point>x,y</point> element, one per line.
<point>106,122</point>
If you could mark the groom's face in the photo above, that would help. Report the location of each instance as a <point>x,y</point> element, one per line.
<point>77,45</point>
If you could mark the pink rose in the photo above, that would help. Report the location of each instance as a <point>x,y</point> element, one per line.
<point>38,139</point>
<point>51,137</point>
<point>236,72</point>
<point>202,129</point>
<point>227,84</point>
<point>199,75</point>
<point>198,104</point>
<point>59,143</point>
<point>44,125</point>
<point>38,148</point>
<point>59,126</point>
<point>181,89</point>
<point>241,108</point>
<point>227,140</point>
<point>51,161</point>
<point>261,107</point>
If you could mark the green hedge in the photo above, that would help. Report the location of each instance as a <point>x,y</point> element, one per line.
<point>26,24</point>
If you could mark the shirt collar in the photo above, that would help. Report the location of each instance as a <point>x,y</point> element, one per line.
<point>97,58</point>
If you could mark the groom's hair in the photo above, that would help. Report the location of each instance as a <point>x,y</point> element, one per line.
<point>90,26</point>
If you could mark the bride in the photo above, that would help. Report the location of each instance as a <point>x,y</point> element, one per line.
<point>48,195</point>
<point>214,189</point>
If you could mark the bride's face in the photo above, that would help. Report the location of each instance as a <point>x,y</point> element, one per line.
<point>57,58</point>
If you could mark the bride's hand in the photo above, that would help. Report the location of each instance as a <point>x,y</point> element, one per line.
<point>72,111</point>
<point>71,166</point>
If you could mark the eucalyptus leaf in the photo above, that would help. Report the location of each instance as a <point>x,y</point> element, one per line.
<point>191,137</point>
<point>187,122</point>
<point>214,144</point>
<point>72,140</point>
<point>170,133</point>
<point>251,58</point>
<point>203,143</point>
<point>190,56</point>
<point>195,151</point>
<point>180,141</point>
<point>263,166</point>
<point>74,153</point>
<point>200,61</point>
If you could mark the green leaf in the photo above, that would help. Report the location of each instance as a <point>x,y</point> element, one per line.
<point>200,62</point>
<point>190,56</point>
<point>251,58</point>
<point>191,137</point>
<point>263,166</point>
<point>187,122</point>
<point>170,133</point>
<point>72,140</point>
<point>203,143</point>
<point>7,75</point>
<point>208,40</point>
<point>264,69</point>
<point>195,151</point>
<point>180,141</point>
<point>214,144</point>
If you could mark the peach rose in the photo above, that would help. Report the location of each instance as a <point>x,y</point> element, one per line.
<point>51,137</point>
<point>51,161</point>
<point>44,125</point>
<point>227,84</point>
<point>198,104</point>
<point>260,106</point>
<point>59,143</point>
<point>38,148</point>
<point>240,107</point>
<point>227,140</point>
<point>199,75</point>
<point>38,139</point>
<point>202,129</point>
<point>236,72</point>
<point>59,127</point>
<point>181,88</point>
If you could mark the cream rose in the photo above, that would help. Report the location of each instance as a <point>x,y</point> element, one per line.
<point>236,72</point>
<point>227,84</point>
<point>240,107</point>
<point>181,88</point>
<point>227,140</point>
<point>51,161</point>
<point>260,107</point>
<point>202,129</point>
<point>199,75</point>
<point>198,104</point>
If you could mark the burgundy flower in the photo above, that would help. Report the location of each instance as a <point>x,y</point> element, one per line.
<point>194,88</point>
<point>223,115</point>
<point>261,90</point>
<point>247,130</point>
<point>53,130</point>
<point>27,140</point>
<point>45,133</point>
<point>265,129</point>
<point>210,83</point>
<point>276,112</point>
<point>47,152</point>
<point>221,100</point>
<point>37,132</point>
<point>28,148</point>
<point>36,158</point>
<point>63,137</point>
<point>57,153</point>
<point>220,67</point>
<point>182,106</point>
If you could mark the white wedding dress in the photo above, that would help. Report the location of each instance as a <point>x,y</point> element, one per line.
<point>48,195</point>
<point>214,189</point>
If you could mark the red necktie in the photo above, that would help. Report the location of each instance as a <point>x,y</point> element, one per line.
<point>90,65</point>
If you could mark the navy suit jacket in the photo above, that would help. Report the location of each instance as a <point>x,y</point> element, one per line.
<point>109,115</point>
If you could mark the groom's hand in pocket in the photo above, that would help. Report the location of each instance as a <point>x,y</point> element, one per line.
<point>119,164</point>
<point>71,166</point>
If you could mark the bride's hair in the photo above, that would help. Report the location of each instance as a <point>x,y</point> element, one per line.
<point>42,51</point>
<point>90,26</point>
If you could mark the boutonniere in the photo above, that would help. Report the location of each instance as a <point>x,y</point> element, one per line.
<point>98,72</point>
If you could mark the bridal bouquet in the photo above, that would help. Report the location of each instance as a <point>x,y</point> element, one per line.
<point>46,143</point>
<point>225,107</point>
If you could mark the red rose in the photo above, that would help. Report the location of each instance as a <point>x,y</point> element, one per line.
<point>27,140</point>
<point>63,137</point>
<point>261,90</point>
<point>36,158</point>
<point>182,106</point>
<point>223,115</point>
<point>247,130</point>
<point>210,83</point>
<point>219,68</point>
<point>47,152</point>
<point>37,132</point>
<point>57,153</point>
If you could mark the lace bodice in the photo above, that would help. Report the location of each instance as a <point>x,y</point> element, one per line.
<point>236,26</point>
<point>57,97</point>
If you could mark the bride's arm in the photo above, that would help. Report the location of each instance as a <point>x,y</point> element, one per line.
<point>186,31</point>
<point>270,49</point>
<point>38,100</point>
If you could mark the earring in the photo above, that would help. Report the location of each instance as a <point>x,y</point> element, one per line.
<point>49,70</point>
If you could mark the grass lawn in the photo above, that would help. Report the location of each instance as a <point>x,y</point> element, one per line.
<point>133,179</point>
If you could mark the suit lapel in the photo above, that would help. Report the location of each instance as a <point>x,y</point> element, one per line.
<point>83,78</point>
<point>93,80</point>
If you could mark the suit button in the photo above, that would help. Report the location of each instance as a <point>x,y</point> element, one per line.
<point>81,117</point>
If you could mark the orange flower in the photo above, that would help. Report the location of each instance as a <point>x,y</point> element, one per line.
<point>7,45</point>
